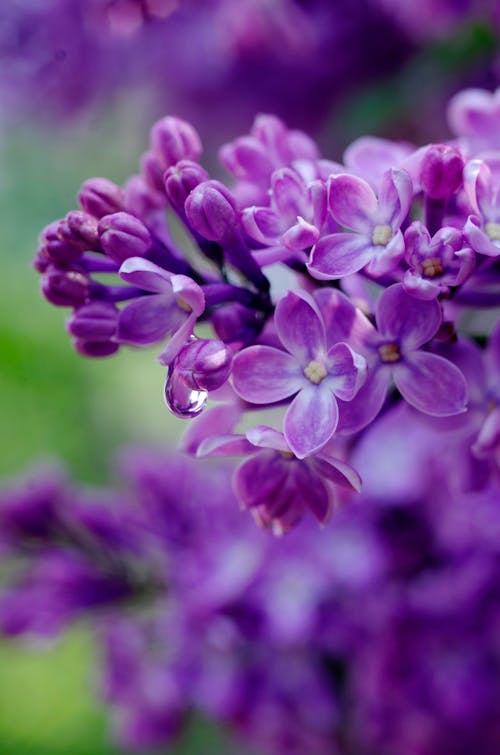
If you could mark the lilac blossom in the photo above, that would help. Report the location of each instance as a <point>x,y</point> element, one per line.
<point>474,116</point>
<point>375,240</point>
<point>437,263</point>
<point>264,375</point>
<point>482,184</point>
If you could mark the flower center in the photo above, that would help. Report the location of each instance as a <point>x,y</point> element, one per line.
<point>315,372</point>
<point>389,352</point>
<point>286,454</point>
<point>493,231</point>
<point>381,235</point>
<point>432,267</point>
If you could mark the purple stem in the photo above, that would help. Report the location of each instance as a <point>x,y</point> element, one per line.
<point>115,293</point>
<point>217,293</point>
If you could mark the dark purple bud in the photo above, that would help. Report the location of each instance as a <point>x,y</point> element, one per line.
<point>236,324</point>
<point>152,170</point>
<point>65,288</point>
<point>100,197</point>
<point>441,171</point>
<point>141,199</point>
<point>122,236</point>
<point>95,321</point>
<point>211,210</point>
<point>173,139</point>
<point>95,349</point>
<point>42,261</point>
<point>205,363</point>
<point>57,248</point>
<point>83,228</point>
<point>181,179</point>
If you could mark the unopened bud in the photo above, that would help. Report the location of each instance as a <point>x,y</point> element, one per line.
<point>122,236</point>
<point>205,363</point>
<point>100,197</point>
<point>83,228</point>
<point>173,139</point>
<point>211,210</point>
<point>65,287</point>
<point>95,321</point>
<point>441,171</point>
<point>181,179</point>
<point>58,248</point>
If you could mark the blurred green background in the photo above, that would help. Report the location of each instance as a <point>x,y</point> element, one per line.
<point>54,404</point>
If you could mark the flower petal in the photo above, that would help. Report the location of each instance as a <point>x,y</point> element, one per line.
<point>257,479</point>
<point>188,293</point>
<point>289,193</point>
<point>262,224</point>
<point>149,319</point>
<point>224,445</point>
<point>352,202</point>
<point>145,274</point>
<point>300,327</point>
<point>403,317</point>
<point>396,193</point>
<point>358,413</point>
<point>266,437</point>
<point>337,471</point>
<point>343,321</point>
<point>431,384</point>
<point>263,375</point>
<point>311,420</point>
<point>346,371</point>
<point>339,254</point>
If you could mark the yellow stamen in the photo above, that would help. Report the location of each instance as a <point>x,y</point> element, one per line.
<point>315,372</point>
<point>389,352</point>
<point>493,231</point>
<point>381,235</point>
<point>432,267</point>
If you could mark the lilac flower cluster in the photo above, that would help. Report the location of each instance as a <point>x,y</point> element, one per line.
<point>332,291</point>
<point>378,636</point>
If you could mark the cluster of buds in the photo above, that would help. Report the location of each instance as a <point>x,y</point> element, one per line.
<point>333,290</point>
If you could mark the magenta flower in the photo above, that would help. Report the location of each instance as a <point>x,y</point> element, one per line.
<point>374,240</point>
<point>296,215</point>
<point>482,185</point>
<point>428,382</point>
<point>276,485</point>
<point>172,309</point>
<point>315,374</point>
<point>437,263</point>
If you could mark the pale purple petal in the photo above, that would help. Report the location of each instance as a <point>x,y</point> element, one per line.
<point>352,202</point>
<point>311,420</point>
<point>145,274</point>
<point>302,235</point>
<point>225,445</point>
<point>299,326</point>
<point>421,288</point>
<point>289,194</point>
<point>262,224</point>
<point>472,113</point>
<point>318,199</point>
<point>339,254</point>
<point>149,319</point>
<point>385,259</point>
<point>479,241</point>
<point>396,192</point>
<point>346,371</point>
<point>410,321</point>
<point>263,375</point>
<point>431,384</point>
<point>218,420</point>
<point>180,337</point>
<point>488,439</point>
<point>266,437</point>
<point>258,479</point>
<point>356,414</point>
<point>337,471</point>
<point>343,321</point>
<point>370,157</point>
<point>188,293</point>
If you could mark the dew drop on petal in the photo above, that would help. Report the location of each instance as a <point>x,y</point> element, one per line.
<point>182,399</point>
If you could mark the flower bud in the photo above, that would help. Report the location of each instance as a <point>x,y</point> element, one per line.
<point>95,321</point>
<point>181,179</point>
<point>100,197</point>
<point>152,170</point>
<point>141,199</point>
<point>83,229</point>
<point>173,139</point>
<point>65,287</point>
<point>58,248</point>
<point>211,210</point>
<point>122,236</point>
<point>95,349</point>
<point>441,171</point>
<point>236,324</point>
<point>205,363</point>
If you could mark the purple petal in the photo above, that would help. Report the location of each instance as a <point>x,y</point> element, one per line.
<point>149,319</point>
<point>302,235</point>
<point>396,192</point>
<point>300,327</point>
<point>385,259</point>
<point>421,288</point>
<point>225,445</point>
<point>188,293</point>
<point>257,480</point>
<point>370,157</point>
<point>346,371</point>
<point>289,194</point>
<point>262,224</point>
<point>431,384</point>
<point>180,337</point>
<point>219,420</point>
<point>343,321</point>
<point>266,437</point>
<point>339,254</point>
<point>493,357</point>
<point>337,471</point>
<point>356,414</point>
<point>311,420</point>
<point>488,439</point>
<point>402,317</point>
<point>479,241</point>
<point>146,275</point>
<point>263,375</point>
<point>313,493</point>
<point>352,202</point>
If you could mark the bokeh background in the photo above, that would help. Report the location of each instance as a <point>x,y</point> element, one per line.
<point>56,405</point>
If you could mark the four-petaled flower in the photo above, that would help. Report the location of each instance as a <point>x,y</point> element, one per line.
<point>482,185</point>
<point>316,373</point>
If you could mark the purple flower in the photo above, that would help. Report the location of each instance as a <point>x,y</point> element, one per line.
<point>437,263</point>
<point>482,185</point>
<point>172,309</point>
<point>369,157</point>
<point>474,116</point>
<point>308,368</point>
<point>375,241</point>
<point>428,382</point>
<point>278,486</point>
<point>295,216</point>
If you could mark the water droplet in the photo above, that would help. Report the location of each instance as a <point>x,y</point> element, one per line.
<point>181,398</point>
